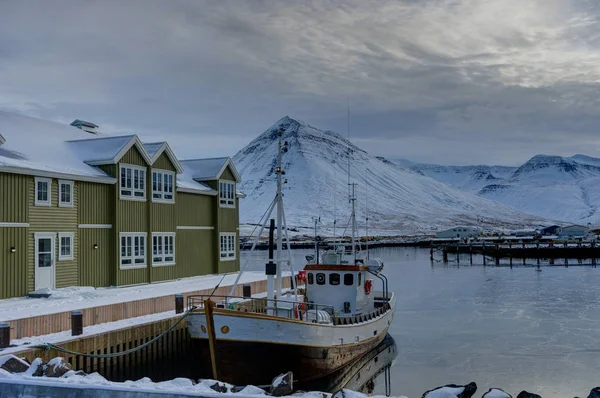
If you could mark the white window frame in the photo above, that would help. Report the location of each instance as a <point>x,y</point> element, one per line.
<point>227,246</point>
<point>48,202</point>
<point>160,237</point>
<point>132,256</point>
<point>227,195</point>
<point>161,193</point>
<point>71,255</point>
<point>60,191</point>
<point>133,168</point>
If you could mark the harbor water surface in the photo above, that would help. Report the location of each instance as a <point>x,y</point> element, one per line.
<point>519,328</point>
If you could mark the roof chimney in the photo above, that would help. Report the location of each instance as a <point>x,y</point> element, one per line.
<point>85,126</point>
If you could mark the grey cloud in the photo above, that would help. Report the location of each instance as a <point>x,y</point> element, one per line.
<point>446,81</point>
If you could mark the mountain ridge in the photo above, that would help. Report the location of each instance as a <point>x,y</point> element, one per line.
<point>316,170</point>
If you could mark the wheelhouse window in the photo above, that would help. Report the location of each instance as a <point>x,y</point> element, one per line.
<point>311,278</point>
<point>132,182</point>
<point>162,186</point>
<point>348,279</point>
<point>226,193</point>
<point>42,191</point>
<point>133,250</point>
<point>321,278</point>
<point>334,279</point>
<point>163,249</point>
<point>65,246</point>
<point>228,246</point>
<point>65,193</point>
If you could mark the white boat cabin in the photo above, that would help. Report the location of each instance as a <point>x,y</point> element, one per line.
<point>346,287</point>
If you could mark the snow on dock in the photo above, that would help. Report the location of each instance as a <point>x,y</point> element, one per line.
<point>41,316</point>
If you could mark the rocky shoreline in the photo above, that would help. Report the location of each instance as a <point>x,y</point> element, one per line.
<point>58,369</point>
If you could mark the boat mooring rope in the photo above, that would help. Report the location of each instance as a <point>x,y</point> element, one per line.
<point>50,346</point>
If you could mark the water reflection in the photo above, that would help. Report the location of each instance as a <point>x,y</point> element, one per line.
<point>370,372</point>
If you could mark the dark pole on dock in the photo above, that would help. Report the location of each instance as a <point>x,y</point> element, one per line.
<point>76,323</point>
<point>179,303</point>
<point>212,337</point>
<point>444,254</point>
<point>431,253</point>
<point>4,335</point>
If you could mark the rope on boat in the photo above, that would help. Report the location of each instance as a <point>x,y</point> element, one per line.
<point>50,346</point>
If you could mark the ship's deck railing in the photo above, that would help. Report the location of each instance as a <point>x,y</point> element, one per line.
<point>276,307</point>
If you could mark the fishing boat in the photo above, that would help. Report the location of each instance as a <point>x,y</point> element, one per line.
<point>335,319</point>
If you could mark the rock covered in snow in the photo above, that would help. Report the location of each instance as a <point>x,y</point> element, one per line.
<point>595,393</point>
<point>36,368</point>
<point>57,367</point>
<point>526,394</point>
<point>12,364</point>
<point>497,393</point>
<point>452,391</point>
<point>282,385</point>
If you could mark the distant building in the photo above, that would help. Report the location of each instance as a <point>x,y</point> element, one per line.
<point>574,231</point>
<point>551,230</point>
<point>85,126</point>
<point>458,233</point>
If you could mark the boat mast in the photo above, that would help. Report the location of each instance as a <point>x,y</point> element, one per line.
<point>351,192</point>
<point>279,171</point>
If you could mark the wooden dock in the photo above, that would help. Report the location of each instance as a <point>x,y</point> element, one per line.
<point>547,250</point>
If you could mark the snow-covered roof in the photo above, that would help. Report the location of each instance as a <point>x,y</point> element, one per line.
<point>155,149</point>
<point>209,169</point>
<point>39,147</point>
<point>44,148</point>
<point>108,150</point>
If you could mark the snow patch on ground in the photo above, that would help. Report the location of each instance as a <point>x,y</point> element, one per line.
<point>77,298</point>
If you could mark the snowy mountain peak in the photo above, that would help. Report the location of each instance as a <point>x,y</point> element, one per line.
<point>317,185</point>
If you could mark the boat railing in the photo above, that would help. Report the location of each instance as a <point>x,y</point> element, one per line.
<point>262,305</point>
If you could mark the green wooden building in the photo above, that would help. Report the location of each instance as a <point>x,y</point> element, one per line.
<point>82,209</point>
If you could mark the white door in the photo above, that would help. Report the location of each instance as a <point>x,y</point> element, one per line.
<point>45,260</point>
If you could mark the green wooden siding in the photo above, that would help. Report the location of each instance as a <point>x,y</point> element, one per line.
<point>195,210</point>
<point>110,169</point>
<point>227,175</point>
<point>132,216</point>
<point>162,217</point>
<point>13,205</point>
<point>133,156</point>
<point>163,162</point>
<point>53,219</point>
<point>194,252</point>
<point>13,266</point>
<point>96,203</point>
<point>96,266</point>
<point>166,272</point>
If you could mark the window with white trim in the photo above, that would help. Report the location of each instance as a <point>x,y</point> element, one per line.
<point>133,250</point>
<point>65,193</point>
<point>226,193</point>
<point>132,182</point>
<point>162,186</point>
<point>163,248</point>
<point>65,246</point>
<point>228,246</point>
<point>43,188</point>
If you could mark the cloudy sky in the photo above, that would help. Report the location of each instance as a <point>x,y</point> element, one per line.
<point>444,81</point>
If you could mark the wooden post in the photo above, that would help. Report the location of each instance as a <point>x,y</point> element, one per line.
<point>76,323</point>
<point>4,335</point>
<point>247,291</point>
<point>179,303</point>
<point>212,337</point>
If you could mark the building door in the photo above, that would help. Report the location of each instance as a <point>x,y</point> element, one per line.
<point>45,260</point>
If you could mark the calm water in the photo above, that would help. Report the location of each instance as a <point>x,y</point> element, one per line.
<point>513,328</point>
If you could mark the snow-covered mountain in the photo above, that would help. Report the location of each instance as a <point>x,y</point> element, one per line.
<point>554,187</point>
<point>400,200</point>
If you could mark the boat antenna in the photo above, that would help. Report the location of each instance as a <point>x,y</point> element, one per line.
<point>334,204</point>
<point>351,191</point>
<point>367,212</point>
<point>279,171</point>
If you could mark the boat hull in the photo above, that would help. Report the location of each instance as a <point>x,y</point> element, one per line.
<point>255,348</point>
<point>243,363</point>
